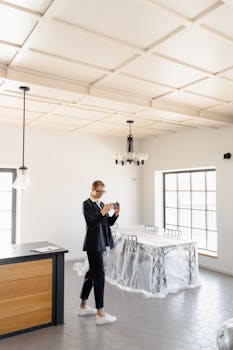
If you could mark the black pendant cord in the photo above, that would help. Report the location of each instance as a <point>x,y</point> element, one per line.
<point>23,166</point>
<point>24,88</point>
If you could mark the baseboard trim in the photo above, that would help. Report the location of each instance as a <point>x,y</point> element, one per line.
<point>216,269</point>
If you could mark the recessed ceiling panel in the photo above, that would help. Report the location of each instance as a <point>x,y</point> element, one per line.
<point>220,20</point>
<point>38,5</point>
<point>15,25</point>
<point>58,38</point>
<point>199,48</point>
<point>187,99</point>
<point>226,110</point>
<point>137,22</point>
<point>110,105</point>
<point>205,122</point>
<point>86,114</point>
<point>52,126</point>
<point>57,67</point>
<point>16,113</point>
<point>190,8</point>
<point>214,87</point>
<point>163,71</point>
<point>44,92</point>
<point>159,114</point>
<point>122,120</point>
<point>132,85</point>
<point>17,102</point>
<point>58,119</point>
<point>6,53</point>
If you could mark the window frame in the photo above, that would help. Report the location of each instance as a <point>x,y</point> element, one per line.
<point>203,251</point>
<point>13,208</point>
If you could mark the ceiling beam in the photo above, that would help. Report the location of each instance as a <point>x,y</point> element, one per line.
<point>119,96</point>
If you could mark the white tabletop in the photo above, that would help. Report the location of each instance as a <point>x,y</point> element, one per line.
<point>154,239</point>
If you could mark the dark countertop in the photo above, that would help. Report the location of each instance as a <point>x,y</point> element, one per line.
<point>16,252</point>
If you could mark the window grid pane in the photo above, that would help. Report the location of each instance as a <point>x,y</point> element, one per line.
<point>7,206</point>
<point>190,205</point>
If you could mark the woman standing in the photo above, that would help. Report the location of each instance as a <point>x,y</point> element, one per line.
<point>98,237</point>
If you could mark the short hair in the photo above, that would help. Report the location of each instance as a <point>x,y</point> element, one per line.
<point>97,183</point>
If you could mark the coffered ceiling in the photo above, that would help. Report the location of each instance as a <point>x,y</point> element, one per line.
<point>93,64</point>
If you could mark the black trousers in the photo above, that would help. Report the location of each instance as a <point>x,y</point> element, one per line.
<point>95,277</point>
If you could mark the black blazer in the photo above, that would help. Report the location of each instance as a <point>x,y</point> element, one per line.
<point>98,233</point>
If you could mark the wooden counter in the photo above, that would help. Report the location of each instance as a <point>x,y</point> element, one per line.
<point>31,288</point>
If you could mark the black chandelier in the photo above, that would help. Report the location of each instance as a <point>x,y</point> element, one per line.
<point>130,156</point>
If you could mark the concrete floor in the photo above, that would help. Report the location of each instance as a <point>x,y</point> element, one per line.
<point>187,320</point>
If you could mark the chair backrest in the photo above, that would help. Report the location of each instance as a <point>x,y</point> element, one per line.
<point>149,228</point>
<point>167,232</point>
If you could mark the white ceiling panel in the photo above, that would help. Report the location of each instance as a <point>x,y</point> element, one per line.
<point>44,92</point>
<point>199,48</point>
<point>17,102</point>
<point>136,86</point>
<point>6,53</point>
<point>214,87</point>
<point>220,20</point>
<point>189,9</point>
<point>58,119</point>
<point>122,120</point>
<point>187,99</point>
<point>38,5</point>
<point>204,123</point>
<point>82,113</point>
<point>226,110</point>
<point>110,105</point>
<point>228,74</point>
<point>158,114</point>
<point>16,113</point>
<point>161,70</point>
<point>167,127</point>
<point>60,39</point>
<point>132,21</point>
<point>14,25</point>
<point>57,67</point>
<point>53,126</point>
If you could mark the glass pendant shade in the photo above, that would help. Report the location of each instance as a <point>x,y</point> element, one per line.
<point>22,181</point>
<point>130,156</point>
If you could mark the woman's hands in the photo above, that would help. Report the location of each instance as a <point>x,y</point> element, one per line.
<point>108,207</point>
<point>117,210</point>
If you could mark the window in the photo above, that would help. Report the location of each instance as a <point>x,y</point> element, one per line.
<point>190,206</point>
<point>7,206</point>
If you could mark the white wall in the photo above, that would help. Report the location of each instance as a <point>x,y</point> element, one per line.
<point>195,149</point>
<point>62,168</point>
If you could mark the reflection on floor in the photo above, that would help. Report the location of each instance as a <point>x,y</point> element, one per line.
<point>187,320</point>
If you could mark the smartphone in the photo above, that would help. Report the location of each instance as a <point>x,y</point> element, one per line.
<point>115,205</point>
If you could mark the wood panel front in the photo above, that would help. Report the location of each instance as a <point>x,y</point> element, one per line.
<point>25,295</point>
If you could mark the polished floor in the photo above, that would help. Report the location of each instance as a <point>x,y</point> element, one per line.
<point>187,320</point>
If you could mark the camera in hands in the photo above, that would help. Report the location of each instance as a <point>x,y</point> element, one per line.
<point>115,205</point>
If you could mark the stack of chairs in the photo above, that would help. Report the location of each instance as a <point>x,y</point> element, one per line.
<point>167,232</point>
<point>148,228</point>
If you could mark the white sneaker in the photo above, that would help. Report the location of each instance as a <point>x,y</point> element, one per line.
<point>106,319</point>
<point>87,311</point>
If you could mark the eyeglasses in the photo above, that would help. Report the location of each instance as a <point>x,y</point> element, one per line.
<point>100,191</point>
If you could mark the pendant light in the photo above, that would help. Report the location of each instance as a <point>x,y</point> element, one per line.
<point>22,181</point>
<point>130,156</point>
